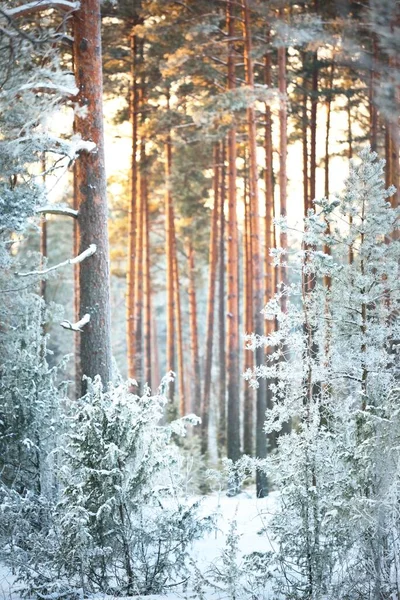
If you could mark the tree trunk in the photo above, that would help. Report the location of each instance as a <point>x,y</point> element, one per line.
<point>304,135</point>
<point>170,250</point>
<point>183,409</point>
<point>313,126</point>
<point>282,156</point>
<point>233,425</point>
<point>257,263</point>
<point>147,338</point>
<point>138,278</point>
<point>270,241</point>
<point>248,399</point>
<point>350,156</point>
<point>91,195</point>
<point>43,234</point>
<point>373,112</point>
<point>155,368</point>
<point>327,279</point>
<point>221,312</point>
<point>270,283</point>
<point>282,85</point>
<point>194,336</point>
<point>77,344</point>
<point>130,274</point>
<point>213,261</point>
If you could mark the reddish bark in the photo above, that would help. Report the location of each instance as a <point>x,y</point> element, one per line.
<point>183,409</point>
<point>233,420</point>
<point>313,127</point>
<point>130,274</point>
<point>213,262</point>
<point>91,194</point>
<point>147,338</point>
<point>221,312</point>
<point>170,250</point>
<point>257,262</point>
<point>194,336</point>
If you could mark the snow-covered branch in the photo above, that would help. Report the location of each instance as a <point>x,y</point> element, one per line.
<point>48,87</point>
<point>70,261</point>
<point>78,325</point>
<point>57,210</point>
<point>38,5</point>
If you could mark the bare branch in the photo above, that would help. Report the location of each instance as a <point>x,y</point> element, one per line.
<point>70,261</point>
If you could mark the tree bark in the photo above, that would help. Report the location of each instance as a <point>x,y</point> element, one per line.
<point>304,135</point>
<point>213,262</point>
<point>327,250</point>
<point>313,126</point>
<point>91,195</point>
<point>373,112</point>
<point>221,312</point>
<point>130,274</point>
<point>194,335</point>
<point>138,278</point>
<point>350,156</point>
<point>170,250</point>
<point>248,399</point>
<point>282,156</point>
<point>183,409</point>
<point>233,424</point>
<point>147,338</point>
<point>257,263</point>
<point>270,283</point>
<point>270,237</point>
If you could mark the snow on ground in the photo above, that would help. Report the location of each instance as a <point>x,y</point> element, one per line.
<point>251,515</point>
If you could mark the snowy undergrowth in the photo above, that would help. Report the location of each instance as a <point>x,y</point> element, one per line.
<point>249,514</point>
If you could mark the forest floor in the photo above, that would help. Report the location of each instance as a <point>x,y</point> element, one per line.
<point>251,515</point>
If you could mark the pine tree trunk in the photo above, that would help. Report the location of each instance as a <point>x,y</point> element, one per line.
<point>313,127</point>
<point>183,409</point>
<point>194,336</point>
<point>130,274</point>
<point>43,234</point>
<point>77,344</point>
<point>270,241</point>
<point>327,279</point>
<point>147,338</point>
<point>221,312</point>
<point>233,421</point>
<point>270,285</point>
<point>91,194</point>
<point>304,135</point>
<point>155,368</point>
<point>257,262</point>
<point>213,262</point>
<point>373,112</point>
<point>248,398</point>
<point>282,155</point>
<point>350,156</point>
<point>170,251</point>
<point>282,85</point>
<point>138,277</point>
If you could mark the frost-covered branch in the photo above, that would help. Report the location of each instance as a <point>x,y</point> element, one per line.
<point>78,325</point>
<point>48,87</point>
<point>38,5</point>
<point>70,261</point>
<point>57,210</point>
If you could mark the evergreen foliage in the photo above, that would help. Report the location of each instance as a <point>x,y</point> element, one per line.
<point>336,365</point>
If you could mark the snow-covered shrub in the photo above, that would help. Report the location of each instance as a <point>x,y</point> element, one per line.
<point>122,524</point>
<point>334,366</point>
